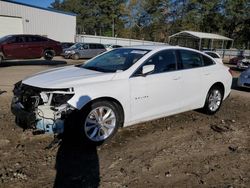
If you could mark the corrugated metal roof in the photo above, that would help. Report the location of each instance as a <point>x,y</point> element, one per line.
<point>200,35</point>
<point>48,9</point>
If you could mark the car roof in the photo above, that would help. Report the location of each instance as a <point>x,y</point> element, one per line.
<point>159,47</point>
<point>24,35</point>
<point>88,43</point>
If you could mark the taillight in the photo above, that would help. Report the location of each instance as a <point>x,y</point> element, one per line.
<point>231,72</point>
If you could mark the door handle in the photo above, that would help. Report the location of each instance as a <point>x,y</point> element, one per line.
<point>177,78</point>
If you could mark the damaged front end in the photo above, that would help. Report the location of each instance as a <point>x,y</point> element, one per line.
<point>42,109</point>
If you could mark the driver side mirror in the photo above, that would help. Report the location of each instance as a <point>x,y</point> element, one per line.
<point>147,69</point>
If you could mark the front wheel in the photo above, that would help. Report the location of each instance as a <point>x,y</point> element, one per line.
<point>213,100</point>
<point>101,120</point>
<point>75,56</point>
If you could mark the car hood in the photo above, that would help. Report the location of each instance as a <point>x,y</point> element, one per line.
<point>66,77</point>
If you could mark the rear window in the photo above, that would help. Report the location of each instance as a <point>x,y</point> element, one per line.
<point>213,55</point>
<point>207,61</point>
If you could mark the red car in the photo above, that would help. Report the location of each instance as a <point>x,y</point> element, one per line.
<point>236,59</point>
<point>28,46</point>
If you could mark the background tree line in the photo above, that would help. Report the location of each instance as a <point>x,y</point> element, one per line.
<point>157,19</point>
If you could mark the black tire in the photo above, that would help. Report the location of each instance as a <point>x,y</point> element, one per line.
<point>48,54</point>
<point>214,100</point>
<point>84,126</point>
<point>75,56</point>
<point>1,59</point>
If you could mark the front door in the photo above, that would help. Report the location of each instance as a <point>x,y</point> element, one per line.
<point>16,48</point>
<point>158,93</point>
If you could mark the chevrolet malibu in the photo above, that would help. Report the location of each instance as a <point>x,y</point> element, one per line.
<point>119,88</point>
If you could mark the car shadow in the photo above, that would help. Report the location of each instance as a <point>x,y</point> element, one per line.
<point>77,165</point>
<point>77,162</point>
<point>32,62</point>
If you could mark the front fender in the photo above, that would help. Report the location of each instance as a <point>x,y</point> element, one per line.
<point>118,90</point>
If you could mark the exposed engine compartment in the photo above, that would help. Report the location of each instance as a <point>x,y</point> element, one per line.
<point>42,109</point>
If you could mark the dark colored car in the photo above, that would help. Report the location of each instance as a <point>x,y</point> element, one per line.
<point>28,46</point>
<point>236,59</point>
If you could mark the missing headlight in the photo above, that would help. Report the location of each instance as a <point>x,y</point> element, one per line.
<point>59,99</point>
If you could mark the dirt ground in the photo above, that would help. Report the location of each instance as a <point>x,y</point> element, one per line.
<point>186,150</point>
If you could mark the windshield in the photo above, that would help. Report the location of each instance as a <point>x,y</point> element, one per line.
<point>75,46</point>
<point>2,39</point>
<point>118,59</point>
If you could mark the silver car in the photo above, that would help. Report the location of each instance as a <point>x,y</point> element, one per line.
<point>83,50</point>
<point>244,79</point>
<point>243,64</point>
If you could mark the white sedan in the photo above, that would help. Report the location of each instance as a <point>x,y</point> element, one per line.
<point>119,88</point>
<point>214,55</point>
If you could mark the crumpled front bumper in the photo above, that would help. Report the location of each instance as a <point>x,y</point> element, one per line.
<point>29,120</point>
<point>24,119</point>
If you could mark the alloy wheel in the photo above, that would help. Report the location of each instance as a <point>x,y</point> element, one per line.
<point>100,123</point>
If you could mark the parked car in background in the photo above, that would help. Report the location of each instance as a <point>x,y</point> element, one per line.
<point>214,55</point>
<point>244,79</point>
<point>83,50</point>
<point>119,88</point>
<point>28,46</point>
<point>111,46</point>
<point>243,64</point>
<point>67,44</point>
<point>236,59</point>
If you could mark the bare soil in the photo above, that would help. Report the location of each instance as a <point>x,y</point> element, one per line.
<point>186,150</point>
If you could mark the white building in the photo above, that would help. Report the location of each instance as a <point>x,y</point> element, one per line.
<point>20,18</point>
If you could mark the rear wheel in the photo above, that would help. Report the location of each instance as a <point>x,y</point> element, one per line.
<point>100,121</point>
<point>213,101</point>
<point>1,59</point>
<point>48,54</point>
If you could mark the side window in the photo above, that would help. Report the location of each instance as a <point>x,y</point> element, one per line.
<point>164,61</point>
<point>32,39</point>
<point>85,46</point>
<point>92,46</point>
<point>20,39</point>
<point>12,40</point>
<point>213,55</point>
<point>207,61</point>
<point>190,59</point>
<point>100,46</point>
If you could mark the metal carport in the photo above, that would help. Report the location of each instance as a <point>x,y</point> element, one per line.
<point>184,38</point>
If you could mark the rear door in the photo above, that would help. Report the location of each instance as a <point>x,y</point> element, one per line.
<point>36,46</point>
<point>100,49</point>
<point>93,50</point>
<point>190,65</point>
